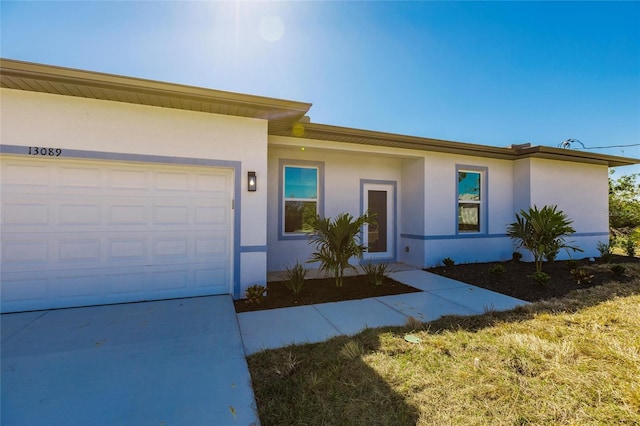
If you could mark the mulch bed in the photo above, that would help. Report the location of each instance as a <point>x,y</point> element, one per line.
<point>515,282</point>
<point>322,291</point>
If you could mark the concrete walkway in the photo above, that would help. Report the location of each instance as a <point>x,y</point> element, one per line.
<point>440,296</point>
<point>182,361</point>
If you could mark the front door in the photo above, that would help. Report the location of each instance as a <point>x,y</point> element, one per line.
<point>379,199</point>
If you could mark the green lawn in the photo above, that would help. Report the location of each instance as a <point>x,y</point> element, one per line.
<point>570,361</point>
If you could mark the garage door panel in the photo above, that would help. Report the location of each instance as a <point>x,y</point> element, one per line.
<point>25,175</point>
<point>78,285</point>
<point>78,177</point>
<point>127,249</point>
<point>79,251</point>
<point>24,211</point>
<point>82,232</point>
<point>212,182</point>
<point>24,252</point>
<point>171,181</point>
<point>131,180</point>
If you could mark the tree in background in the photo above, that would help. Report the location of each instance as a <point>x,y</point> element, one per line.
<point>624,212</point>
<point>624,203</point>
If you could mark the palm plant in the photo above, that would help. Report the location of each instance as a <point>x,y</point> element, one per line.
<point>542,232</point>
<point>336,241</point>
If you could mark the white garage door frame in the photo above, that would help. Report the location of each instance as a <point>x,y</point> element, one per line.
<point>235,166</point>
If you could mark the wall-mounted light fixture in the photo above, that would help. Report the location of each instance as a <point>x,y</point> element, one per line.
<point>252,182</point>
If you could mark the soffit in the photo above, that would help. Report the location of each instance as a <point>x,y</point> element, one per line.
<point>70,82</point>
<point>368,137</point>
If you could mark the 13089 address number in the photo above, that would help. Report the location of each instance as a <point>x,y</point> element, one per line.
<point>48,152</point>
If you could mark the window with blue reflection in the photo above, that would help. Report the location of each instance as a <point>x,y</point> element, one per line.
<point>300,198</point>
<point>469,201</point>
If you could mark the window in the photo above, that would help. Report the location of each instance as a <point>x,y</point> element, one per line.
<point>470,199</point>
<point>300,198</point>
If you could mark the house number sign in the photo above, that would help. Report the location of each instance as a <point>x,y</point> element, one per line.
<point>45,152</point>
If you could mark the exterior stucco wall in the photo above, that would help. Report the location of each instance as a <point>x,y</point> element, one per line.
<point>441,237</point>
<point>579,190</point>
<point>343,173</point>
<point>412,221</point>
<point>97,126</point>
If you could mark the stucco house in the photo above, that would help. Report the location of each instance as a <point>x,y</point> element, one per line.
<point>118,189</point>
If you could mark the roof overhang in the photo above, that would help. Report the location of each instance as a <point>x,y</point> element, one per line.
<point>368,137</point>
<point>86,84</point>
<point>283,115</point>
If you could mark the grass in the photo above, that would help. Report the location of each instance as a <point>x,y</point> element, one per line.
<point>574,360</point>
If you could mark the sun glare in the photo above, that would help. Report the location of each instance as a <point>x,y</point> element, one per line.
<point>271,28</point>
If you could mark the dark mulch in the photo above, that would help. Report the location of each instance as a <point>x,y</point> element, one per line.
<point>322,291</point>
<point>516,281</point>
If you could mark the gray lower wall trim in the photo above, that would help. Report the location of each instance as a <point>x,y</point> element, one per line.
<point>466,236</point>
<point>451,237</point>
<point>118,156</point>
<point>590,234</point>
<point>253,249</point>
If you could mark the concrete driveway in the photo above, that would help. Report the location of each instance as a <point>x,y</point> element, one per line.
<point>173,362</point>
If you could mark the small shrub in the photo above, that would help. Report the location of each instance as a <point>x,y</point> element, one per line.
<point>294,278</point>
<point>255,293</point>
<point>581,276</point>
<point>573,264</point>
<point>630,247</point>
<point>618,270</point>
<point>516,256</point>
<point>285,366</point>
<point>352,350</point>
<point>542,232</point>
<point>447,261</point>
<point>375,272</point>
<point>606,250</point>
<point>338,240</point>
<point>540,277</point>
<point>497,271</point>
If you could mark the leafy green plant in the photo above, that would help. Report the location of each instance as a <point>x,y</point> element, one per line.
<point>540,277</point>
<point>255,293</point>
<point>605,249</point>
<point>516,256</point>
<point>542,232</point>
<point>375,272</point>
<point>618,270</point>
<point>497,271</point>
<point>630,247</point>
<point>294,278</point>
<point>581,276</point>
<point>447,261</point>
<point>336,241</point>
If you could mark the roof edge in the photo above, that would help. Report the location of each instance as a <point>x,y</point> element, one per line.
<point>552,153</point>
<point>376,138</point>
<point>282,109</point>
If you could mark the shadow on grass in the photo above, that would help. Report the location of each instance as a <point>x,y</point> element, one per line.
<point>326,384</point>
<point>334,382</point>
<point>571,302</point>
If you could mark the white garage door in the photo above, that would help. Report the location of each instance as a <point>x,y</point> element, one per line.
<point>86,232</point>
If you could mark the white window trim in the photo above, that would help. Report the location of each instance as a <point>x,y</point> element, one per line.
<point>483,202</point>
<point>283,163</point>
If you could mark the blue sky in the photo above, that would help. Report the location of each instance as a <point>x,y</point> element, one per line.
<point>492,73</point>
